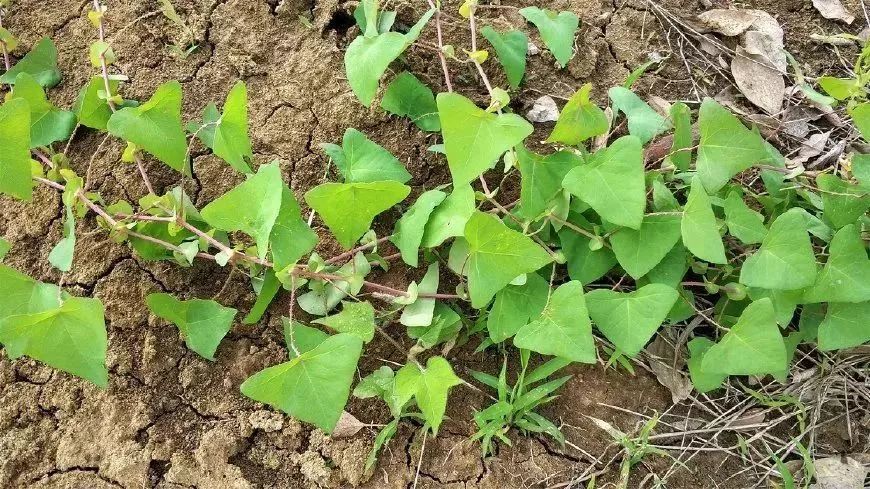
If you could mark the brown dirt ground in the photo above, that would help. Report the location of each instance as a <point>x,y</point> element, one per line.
<point>170,419</point>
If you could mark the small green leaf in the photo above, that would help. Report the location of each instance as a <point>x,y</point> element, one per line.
<point>407,96</point>
<point>515,306</point>
<point>473,138</point>
<point>584,264</point>
<point>497,255</point>
<point>703,380</point>
<point>611,181</point>
<point>511,48</point>
<point>203,323</point>
<point>557,30</point>
<point>251,207</point>
<point>348,209</point>
<point>846,275</point>
<point>785,260</point>
<point>640,251</point>
<point>839,88</point>
<point>429,387</point>
<point>291,236</point>
<point>366,161</point>
<point>41,63</point>
<point>860,114</point>
<point>312,387</point>
<point>61,256</point>
<point>449,218</point>
<point>563,329</point>
<point>727,147</point>
<point>643,121</point>
<point>356,318</point>
<point>419,313</point>
<point>101,51</point>
<point>631,319</point>
<point>845,325</point>
<point>227,134</point>
<point>699,229</point>
<point>753,346</point>
<point>269,288</point>
<point>410,228</point>
<point>71,338</point>
<point>541,179</point>
<point>743,223</point>
<point>91,110</point>
<point>15,150</point>
<point>155,126</point>
<point>844,203</point>
<point>681,148</point>
<point>47,123</point>
<point>579,120</point>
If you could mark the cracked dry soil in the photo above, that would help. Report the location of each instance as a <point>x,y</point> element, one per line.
<point>170,419</point>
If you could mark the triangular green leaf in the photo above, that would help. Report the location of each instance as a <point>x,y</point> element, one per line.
<point>753,346</point>
<point>564,329</point>
<point>497,255</point>
<point>71,338</point>
<point>631,319</point>
<point>356,318</point>
<point>428,386</point>
<point>846,275</point>
<point>312,387</point>
<point>611,181</point>
<point>541,178</point>
<point>511,48</point>
<point>410,228</point>
<point>155,126</point>
<point>699,229</point>
<point>40,62</point>
<point>474,138</point>
<point>845,325</point>
<point>727,147</point>
<point>348,209</point>
<point>228,135</point>
<point>580,120</point>
<point>639,251</point>
<point>366,161</point>
<point>15,150</point>
<point>407,96</point>
<point>48,124</point>
<point>203,323</point>
<point>643,121</point>
<point>557,30</point>
<point>91,110</point>
<point>743,223</point>
<point>785,260</point>
<point>515,306</point>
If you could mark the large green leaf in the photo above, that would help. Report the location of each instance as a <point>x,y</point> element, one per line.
<point>557,30</point>
<point>753,346</point>
<point>611,181</point>
<point>727,147</point>
<point>291,236</point>
<point>71,338</point>
<point>699,229</point>
<point>541,179</point>
<point>743,223</point>
<point>641,250</point>
<point>48,124</point>
<point>584,263</point>
<point>15,150</point>
<point>497,255</point>
<point>251,207</point>
<point>511,48</point>
<point>366,161</point>
<point>449,218</point>
<point>846,275</point>
<point>408,96</point>
<point>155,126</point>
<point>643,121</point>
<point>313,386</point>
<point>844,203</point>
<point>348,209</point>
<point>845,325</point>
<point>203,323</point>
<point>564,329</point>
<point>428,386</point>
<point>410,228</point>
<point>630,320</point>
<point>356,318</point>
<point>515,306</point>
<point>91,110</point>
<point>785,260</point>
<point>40,62</point>
<point>474,139</point>
<point>227,134</point>
<point>368,57</point>
<point>579,120</point>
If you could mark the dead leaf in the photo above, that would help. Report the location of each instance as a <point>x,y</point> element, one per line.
<point>812,147</point>
<point>751,417</point>
<point>347,426</point>
<point>727,22</point>
<point>760,82</point>
<point>833,9</point>
<point>839,473</point>
<point>662,364</point>
<point>543,110</point>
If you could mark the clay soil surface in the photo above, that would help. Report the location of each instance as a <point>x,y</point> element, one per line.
<point>170,419</point>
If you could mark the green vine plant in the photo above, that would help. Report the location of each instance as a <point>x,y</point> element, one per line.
<point>607,242</point>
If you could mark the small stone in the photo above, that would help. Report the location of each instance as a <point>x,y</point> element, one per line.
<point>533,50</point>
<point>544,110</point>
<point>267,421</point>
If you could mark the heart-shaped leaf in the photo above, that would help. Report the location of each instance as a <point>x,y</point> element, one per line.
<point>557,30</point>
<point>785,260</point>
<point>753,346</point>
<point>643,122</point>
<point>743,223</point>
<point>511,48</point>
<point>630,320</point>
<point>40,62</point>
<point>580,120</point>
<point>727,147</point>
<point>428,386</point>
<point>515,306</point>
<point>541,178</point>
<point>366,161</point>
<point>564,329</point>
<point>698,227</point>
<point>47,123</point>
<point>203,323</point>
<point>846,275</point>
<point>845,325</point>
<point>227,134</point>
<point>638,251</point>
<point>407,96</point>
